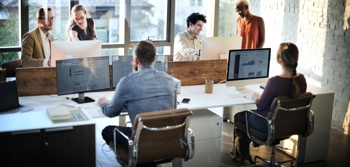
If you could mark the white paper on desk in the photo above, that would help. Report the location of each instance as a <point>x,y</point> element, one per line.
<point>249,96</point>
<point>94,112</point>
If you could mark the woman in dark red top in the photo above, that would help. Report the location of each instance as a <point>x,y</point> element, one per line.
<point>288,83</point>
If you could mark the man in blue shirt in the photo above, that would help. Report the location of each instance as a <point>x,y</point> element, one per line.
<point>142,91</point>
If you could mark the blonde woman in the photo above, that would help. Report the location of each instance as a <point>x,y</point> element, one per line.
<point>81,26</point>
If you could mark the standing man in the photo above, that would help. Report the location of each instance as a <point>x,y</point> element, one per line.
<point>145,90</point>
<point>250,27</point>
<point>186,44</point>
<point>36,44</point>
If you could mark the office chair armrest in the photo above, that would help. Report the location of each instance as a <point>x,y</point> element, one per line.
<point>190,140</point>
<point>311,123</point>
<point>125,136</point>
<point>257,114</point>
<point>269,130</point>
<point>131,145</point>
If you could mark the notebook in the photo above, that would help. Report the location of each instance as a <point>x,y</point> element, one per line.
<point>9,98</point>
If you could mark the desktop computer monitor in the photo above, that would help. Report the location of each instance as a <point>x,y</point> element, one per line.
<point>82,75</point>
<point>122,66</point>
<point>74,49</point>
<point>214,48</point>
<point>248,66</point>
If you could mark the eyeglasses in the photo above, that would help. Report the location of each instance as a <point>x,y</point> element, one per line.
<point>49,18</point>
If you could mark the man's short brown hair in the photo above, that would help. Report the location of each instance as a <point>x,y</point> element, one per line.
<point>40,13</point>
<point>145,51</point>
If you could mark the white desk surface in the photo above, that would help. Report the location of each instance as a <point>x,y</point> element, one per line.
<point>37,118</point>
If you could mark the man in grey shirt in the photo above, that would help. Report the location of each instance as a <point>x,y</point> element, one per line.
<point>142,91</point>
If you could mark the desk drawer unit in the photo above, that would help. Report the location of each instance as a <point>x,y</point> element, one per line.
<point>207,129</point>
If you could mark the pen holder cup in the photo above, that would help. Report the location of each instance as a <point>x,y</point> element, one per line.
<point>209,86</point>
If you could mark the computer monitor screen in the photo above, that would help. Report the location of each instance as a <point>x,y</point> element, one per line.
<point>248,66</point>
<point>122,66</point>
<point>214,48</point>
<point>82,75</point>
<point>74,49</point>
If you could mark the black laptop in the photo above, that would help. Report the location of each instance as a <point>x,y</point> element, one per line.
<point>9,102</point>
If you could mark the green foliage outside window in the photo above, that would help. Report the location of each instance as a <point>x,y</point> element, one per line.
<point>9,37</point>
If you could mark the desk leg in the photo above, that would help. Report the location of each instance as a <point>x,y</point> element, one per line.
<point>122,121</point>
<point>226,113</point>
<point>301,150</point>
<point>177,162</point>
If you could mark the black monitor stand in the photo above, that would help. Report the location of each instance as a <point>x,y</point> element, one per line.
<point>82,99</point>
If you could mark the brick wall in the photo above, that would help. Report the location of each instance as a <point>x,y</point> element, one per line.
<point>320,28</point>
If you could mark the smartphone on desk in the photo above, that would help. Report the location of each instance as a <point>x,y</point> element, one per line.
<point>185,100</point>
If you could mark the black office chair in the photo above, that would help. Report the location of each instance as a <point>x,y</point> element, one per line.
<point>287,117</point>
<point>158,137</point>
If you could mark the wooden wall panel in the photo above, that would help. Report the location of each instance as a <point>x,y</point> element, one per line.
<point>194,72</point>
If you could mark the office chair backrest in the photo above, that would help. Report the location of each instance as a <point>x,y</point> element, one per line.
<point>291,116</point>
<point>10,67</point>
<point>161,135</point>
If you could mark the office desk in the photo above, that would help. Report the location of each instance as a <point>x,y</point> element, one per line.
<point>222,96</point>
<point>32,139</point>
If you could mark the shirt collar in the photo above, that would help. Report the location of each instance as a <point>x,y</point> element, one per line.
<point>188,35</point>
<point>43,36</point>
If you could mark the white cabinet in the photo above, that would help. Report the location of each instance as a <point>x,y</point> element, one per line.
<point>206,127</point>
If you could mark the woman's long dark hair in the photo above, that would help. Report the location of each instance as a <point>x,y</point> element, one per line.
<point>289,54</point>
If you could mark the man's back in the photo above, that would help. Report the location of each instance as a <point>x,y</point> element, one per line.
<point>143,91</point>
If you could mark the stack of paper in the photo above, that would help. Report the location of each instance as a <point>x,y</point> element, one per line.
<point>59,113</point>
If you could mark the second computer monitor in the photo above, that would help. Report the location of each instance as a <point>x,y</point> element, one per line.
<point>214,48</point>
<point>122,66</point>
<point>74,49</point>
<point>248,66</point>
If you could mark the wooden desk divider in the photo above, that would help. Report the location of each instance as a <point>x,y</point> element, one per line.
<point>194,72</point>
<point>36,81</point>
<point>42,80</point>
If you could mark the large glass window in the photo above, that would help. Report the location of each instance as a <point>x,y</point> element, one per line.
<point>148,20</point>
<point>227,18</point>
<point>60,9</point>
<point>9,29</point>
<point>109,17</point>
<point>182,12</point>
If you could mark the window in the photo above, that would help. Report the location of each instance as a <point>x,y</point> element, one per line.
<point>148,20</point>
<point>119,23</point>
<point>227,18</point>
<point>108,16</point>
<point>9,29</point>
<point>182,12</point>
<point>60,9</point>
